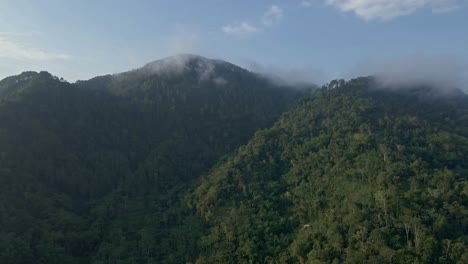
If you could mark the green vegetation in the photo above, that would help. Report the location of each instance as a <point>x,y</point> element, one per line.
<point>350,175</point>
<point>96,171</point>
<point>189,166</point>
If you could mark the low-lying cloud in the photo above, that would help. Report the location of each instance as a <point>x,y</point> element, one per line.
<point>441,72</point>
<point>296,75</point>
<point>179,64</point>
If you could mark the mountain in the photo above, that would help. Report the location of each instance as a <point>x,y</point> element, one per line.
<point>194,160</point>
<point>96,171</point>
<point>351,174</point>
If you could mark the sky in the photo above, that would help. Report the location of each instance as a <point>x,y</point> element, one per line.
<point>313,40</point>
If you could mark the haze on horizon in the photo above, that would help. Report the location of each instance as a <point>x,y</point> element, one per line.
<point>301,41</point>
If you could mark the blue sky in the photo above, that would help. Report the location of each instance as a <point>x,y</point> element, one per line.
<point>314,40</point>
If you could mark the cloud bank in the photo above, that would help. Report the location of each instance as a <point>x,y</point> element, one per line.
<point>441,72</point>
<point>179,64</point>
<point>297,75</point>
<point>389,9</point>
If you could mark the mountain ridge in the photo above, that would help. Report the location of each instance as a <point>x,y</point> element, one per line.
<point>344,178</point>
<point>153,167</point>
<point>207,69</point>
<point>74,155</point>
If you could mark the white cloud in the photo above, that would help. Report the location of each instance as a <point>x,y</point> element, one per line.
<point>289,75</point>
<point>443,72</point>
<point>205,68</point>
<point>389,9</point>
<point>12,50</point>
<point>273,15</point>
<point>239,29</point>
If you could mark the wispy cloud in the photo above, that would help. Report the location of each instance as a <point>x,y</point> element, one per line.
<point>239,29</point>
<point>306,3</point>
<point>13,50</point>
<point>445,9</point>
<point>203,67</point>
<point>290,75</point>
<point>443,72</point>
<point>184,41</point>
<point>272,16</point>
<point>19,34</point>
<point>389,9</point>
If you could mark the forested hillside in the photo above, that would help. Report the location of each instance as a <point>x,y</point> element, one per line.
<point>351,174</point>
<point>96,171</point>
<point>192,160</point>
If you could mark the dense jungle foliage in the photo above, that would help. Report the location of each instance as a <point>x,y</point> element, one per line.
<point>96,171</point>
<point>350,175</point>
<point>190,160</point>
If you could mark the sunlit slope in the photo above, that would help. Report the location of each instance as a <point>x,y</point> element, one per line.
<point>352,174</point>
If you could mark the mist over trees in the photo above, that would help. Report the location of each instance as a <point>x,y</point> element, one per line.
<point>349,175</point>
<point>191,160</point>
<point>92,170</point>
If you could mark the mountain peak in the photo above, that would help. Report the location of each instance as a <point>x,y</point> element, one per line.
<point>179,62</point>
<point>204,68</point>
<point>189,56</point>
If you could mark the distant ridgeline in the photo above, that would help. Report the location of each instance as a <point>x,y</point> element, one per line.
<point>193,160</point>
